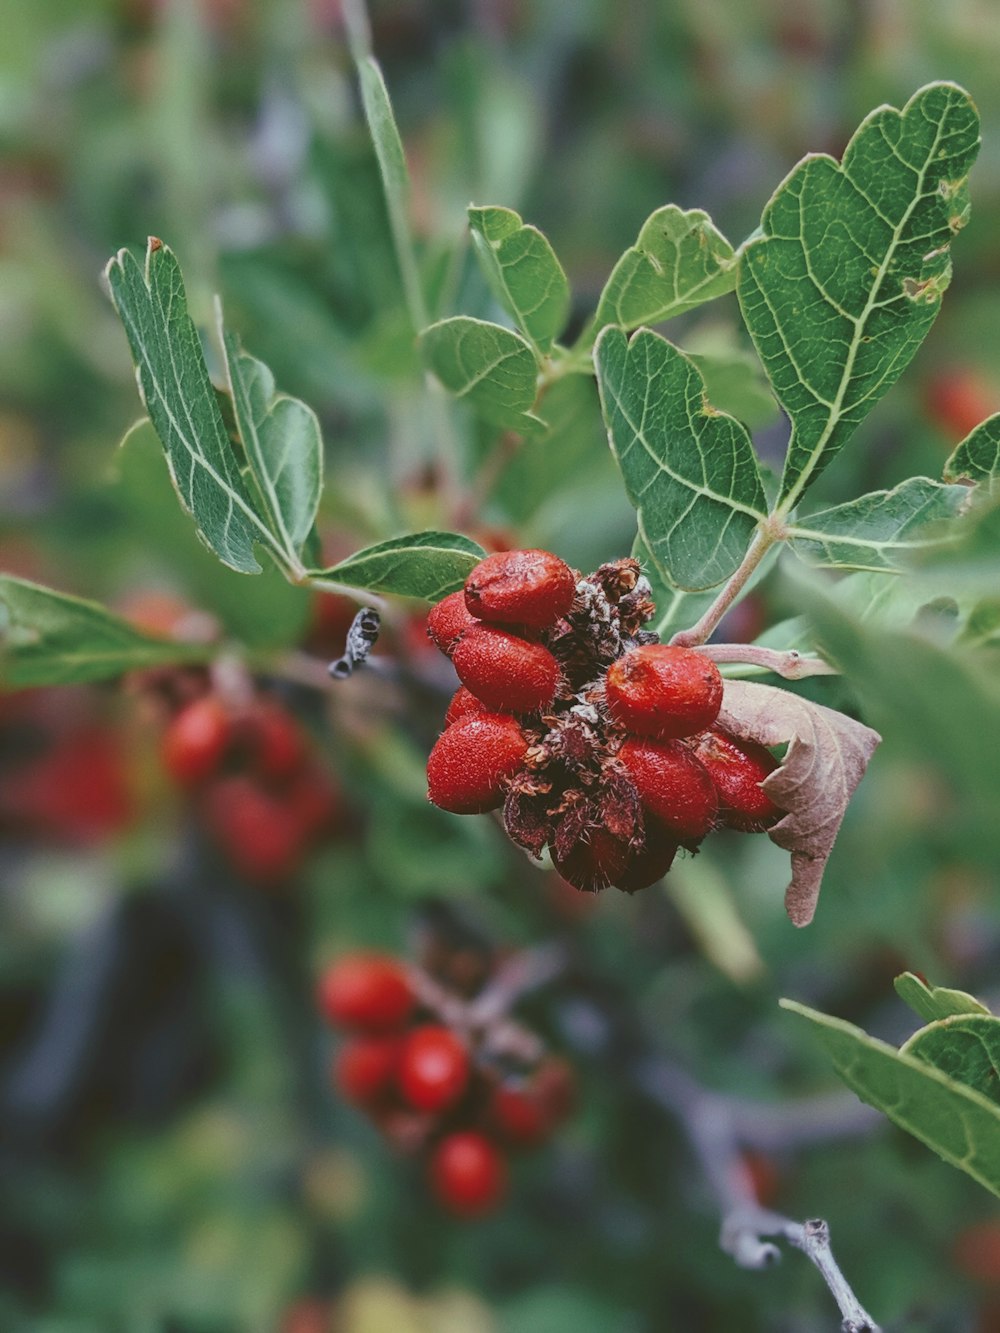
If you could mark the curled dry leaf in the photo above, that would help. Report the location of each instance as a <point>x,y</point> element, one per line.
<point>826,759</point>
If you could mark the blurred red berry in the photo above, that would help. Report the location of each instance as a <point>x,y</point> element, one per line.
<point>370,991</point>
<point>508,673</point>
<point>468,1174</point>
<point>433,1068</point>
<point>532,588</point>
<point>276,740</point>
<point>258,832</point>
<point>195,741</point>
<point>656,690</point>
<point>958,400</point>
<point>77,790</point>
<point>976,1251</point>
<point>365,1067</point>
<point>519,1116</point>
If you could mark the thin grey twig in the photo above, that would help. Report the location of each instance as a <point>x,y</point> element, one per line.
<point>712,1123</point>
<point>788,663</point>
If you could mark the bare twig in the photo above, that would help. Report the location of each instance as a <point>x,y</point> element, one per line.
<point>769,532</point>
<point>713,1126</point>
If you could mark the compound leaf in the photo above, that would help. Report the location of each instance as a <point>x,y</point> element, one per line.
<point>881,530</point>
<point>846,277</point>
<point>422,564</point>
<point>178,394</point>
<point>679,261</point>
<point>958,1122</point>
<point>52,638</point>
<point>523,271</point>
<point>690,471</point>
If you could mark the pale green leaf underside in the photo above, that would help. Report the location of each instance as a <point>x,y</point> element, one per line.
<point>882,530</point>
<point>689,471</point>
<point>977,458</point>
<point>284,448</point>
<point>847,276</point>
<point>958,1123</point>
<point>966,1047</point>
<point>935,1002</point>
<point>492,368</point>
<point>178,394</point>
<point>675,608</point>
<point>428,565</point>
<point>679,261</point>
<point>523,272</point>
<point>51,638</point>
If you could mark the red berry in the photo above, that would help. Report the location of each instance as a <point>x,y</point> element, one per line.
<point>554,1084</point>
<point>365,1068</point>
<point>471,762</point>
<point>314,800</point>
<point>594,862</point>
<point>448,621</point>
<point>651,863</point>
<point>958,400</point>
<point>521,588</point>
<point>196,740</point>
<point>464,704</point>
<point>656,690</point>
<point>76,791</point>
<point>737,768</point>
<point>509,674</point>
<point>519,1116</point>
<point>258,832</point>
<point>277,742</point>
<point>370,991</point>
<point>673,787</point>
<point>468,1174</point>
<point>764,1177</point>
<point>433,1068</point>
<point>976,1251</point>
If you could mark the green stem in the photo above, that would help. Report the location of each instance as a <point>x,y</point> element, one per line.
<point>770,531</point>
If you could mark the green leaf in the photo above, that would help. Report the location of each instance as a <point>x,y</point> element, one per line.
<point>178,394</point>
<point>690,471</point>
<point>679,261</point>
<point>395,180</point>
<point>846,277</point>
<point>490,366</point>
<point>523,272</point>
<point>957,1122</point>
<point>966,1047</point>
<point>283,446</point>
<point>977,458</point>
<point>934,1002</point>
<point>733,375</point>
<point>881,530</point>
<point>51,638</point>
<point>675,608</point>
<point>428,565</point>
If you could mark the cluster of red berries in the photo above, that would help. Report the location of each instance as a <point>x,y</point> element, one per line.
<point>261,793</point>
<point>425,1087</point>
<point>599,742</point>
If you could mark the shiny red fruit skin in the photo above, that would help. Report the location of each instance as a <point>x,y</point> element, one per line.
<point>509,674</point>
<point>433,1068</point>
<point>673,787</point>
<point>365,1067</point>
<point>196,741</point>
<point>464,704</point>
<point>664,692</point>
<point>651,863</point>
<point>448,621</point>
<point>593,863</point>
<point>737,768</point>
<point>533,588</point>
<point>366,991</point>
<point>471,762</point>
<point>468,1174</point>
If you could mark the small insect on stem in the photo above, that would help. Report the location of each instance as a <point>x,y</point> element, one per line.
<point>361,639</point>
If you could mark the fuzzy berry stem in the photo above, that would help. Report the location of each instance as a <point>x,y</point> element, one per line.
<point>788,663</point>
<point>770,531</point>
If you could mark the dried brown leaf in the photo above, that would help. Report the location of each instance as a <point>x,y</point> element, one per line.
<point>826,759</point>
